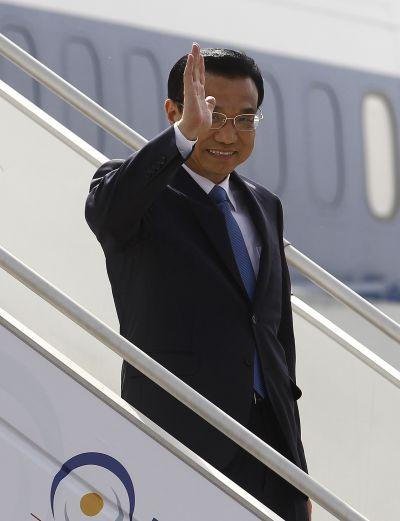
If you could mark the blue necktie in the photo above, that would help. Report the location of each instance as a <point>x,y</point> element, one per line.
<point>244,265</point>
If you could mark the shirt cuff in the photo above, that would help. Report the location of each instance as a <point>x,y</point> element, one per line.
<point>183,144</point>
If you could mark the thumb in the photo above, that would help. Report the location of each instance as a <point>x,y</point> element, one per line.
<point>210,100</point>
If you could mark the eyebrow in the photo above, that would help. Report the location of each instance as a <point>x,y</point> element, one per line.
<point>247,110</point>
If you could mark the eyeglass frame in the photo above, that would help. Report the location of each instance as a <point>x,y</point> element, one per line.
<point>258,114</point>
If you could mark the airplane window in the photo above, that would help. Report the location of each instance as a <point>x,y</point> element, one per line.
<point>380,155</point>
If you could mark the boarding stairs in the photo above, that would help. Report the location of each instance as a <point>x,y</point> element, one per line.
<point>71,448</point>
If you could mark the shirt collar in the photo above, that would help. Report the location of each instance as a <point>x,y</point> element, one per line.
<point>208,185</point>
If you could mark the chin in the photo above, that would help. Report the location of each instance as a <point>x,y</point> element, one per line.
<point>222,166</point>
<point>222,171</point>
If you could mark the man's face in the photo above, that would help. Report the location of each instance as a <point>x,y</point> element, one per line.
<point>233,96</point>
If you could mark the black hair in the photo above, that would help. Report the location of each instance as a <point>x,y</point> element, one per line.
<point>221,62</point>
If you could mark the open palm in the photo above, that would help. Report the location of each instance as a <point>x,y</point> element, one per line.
<point>197,108</point>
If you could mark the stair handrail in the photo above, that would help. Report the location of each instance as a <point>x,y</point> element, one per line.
<point>135,141</point>
<point>349,343</point>
<point>179,389</point>
<point>339,291</point>
<point>312,316</point>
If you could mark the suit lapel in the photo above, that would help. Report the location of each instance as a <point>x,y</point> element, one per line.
<point>260,220</point>
<point>210,219</point>
<point>213,223</point>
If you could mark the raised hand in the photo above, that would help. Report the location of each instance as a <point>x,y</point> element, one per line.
<point>197,108</point>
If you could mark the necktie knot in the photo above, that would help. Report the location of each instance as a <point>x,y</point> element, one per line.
<point>219,194</point>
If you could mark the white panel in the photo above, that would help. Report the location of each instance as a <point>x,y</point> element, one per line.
<point>379,155</point>
<point>350,426</point>
<point>43,188</point>
<point>49,419</point>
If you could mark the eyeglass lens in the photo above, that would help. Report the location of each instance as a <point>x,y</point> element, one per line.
<point>241,122</point>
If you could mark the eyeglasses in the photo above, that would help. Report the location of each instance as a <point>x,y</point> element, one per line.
<point>242,122</point>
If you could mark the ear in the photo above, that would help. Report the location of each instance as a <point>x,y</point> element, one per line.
<point>172,111</point>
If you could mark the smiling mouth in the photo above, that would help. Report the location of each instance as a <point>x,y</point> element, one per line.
<point>221,154</point>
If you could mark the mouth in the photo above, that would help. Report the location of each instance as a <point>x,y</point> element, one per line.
<point>221,154</point>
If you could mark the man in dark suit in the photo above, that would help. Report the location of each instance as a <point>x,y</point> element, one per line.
<point>195,258</point>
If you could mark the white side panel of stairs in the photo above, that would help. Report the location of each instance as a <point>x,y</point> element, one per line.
<point>351,426</point>
<point>48,417</point>
<point>350,423</point>
<point>45,172</point>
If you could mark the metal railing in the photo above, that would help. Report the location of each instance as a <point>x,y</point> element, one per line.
<point>132,139</point>
<point>353,346</point>
<point>180,390</point>
<point>155,371</point>
<point>341,292</point>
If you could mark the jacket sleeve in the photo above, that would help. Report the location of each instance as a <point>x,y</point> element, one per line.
<point>121,191</point>
<point>286,332</point>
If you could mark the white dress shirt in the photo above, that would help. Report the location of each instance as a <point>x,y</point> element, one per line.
<point>239,210</point>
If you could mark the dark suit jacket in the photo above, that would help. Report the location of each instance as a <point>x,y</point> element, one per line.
<point>179,295</point>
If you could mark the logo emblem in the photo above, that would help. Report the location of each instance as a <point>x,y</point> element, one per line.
<point>93,501</point>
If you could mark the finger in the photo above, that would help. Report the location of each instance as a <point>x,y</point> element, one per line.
<point>211,102</point>
<point>188,72</point>
<point>202,70</point>
<point>196,55</point>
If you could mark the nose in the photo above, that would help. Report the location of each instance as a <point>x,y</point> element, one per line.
<point>227,134</point>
